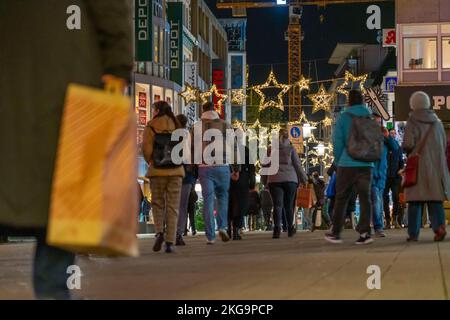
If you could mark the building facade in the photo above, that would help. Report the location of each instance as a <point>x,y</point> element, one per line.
<point>423,37</point>
<point>176,42</point>
<point>236,30</point>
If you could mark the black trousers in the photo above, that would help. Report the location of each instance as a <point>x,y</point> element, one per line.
<point>237,208</point>
<point>283,195</point>
<point>346,179</point>
<point>392,185</point>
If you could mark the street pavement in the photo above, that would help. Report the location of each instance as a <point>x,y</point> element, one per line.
<point>258,267</point>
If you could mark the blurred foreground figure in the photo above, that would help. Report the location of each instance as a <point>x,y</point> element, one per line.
<point>39,57</point>
<point>425,136</point>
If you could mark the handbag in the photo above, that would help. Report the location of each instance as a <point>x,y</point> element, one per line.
<point>412,163</point>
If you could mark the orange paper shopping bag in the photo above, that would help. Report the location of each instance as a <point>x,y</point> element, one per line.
<point>94,202</point>
<point>304,197</point>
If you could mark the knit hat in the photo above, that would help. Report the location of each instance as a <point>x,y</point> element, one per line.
<point>419,100</point>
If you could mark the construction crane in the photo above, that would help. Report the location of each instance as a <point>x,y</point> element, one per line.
<point>294,35</point>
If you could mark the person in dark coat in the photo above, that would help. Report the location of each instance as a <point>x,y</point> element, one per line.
<point>254,208</point>
<point>319,190</point>
<point>243,179</point>
<point>267,207</point>
<point>192,206</point>
<point>41,55</point>
<point>395,163</point>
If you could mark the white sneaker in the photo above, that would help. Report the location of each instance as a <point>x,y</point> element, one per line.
<point>210,241</point>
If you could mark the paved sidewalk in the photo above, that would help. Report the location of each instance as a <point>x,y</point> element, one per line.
<point>304,267</point>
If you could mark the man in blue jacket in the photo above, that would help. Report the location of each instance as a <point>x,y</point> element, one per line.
<point>351,172</point>
<point>379,179</point>
<point>393,182</point>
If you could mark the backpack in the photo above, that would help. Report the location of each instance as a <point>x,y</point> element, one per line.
<point>365,140</point>
<point>162,150</point>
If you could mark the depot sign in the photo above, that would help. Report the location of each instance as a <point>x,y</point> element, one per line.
<point>175,14</point>
<point>143,30</point>
<point>439,95</point>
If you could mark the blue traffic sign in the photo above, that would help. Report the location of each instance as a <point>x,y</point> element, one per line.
<point>295,132</point>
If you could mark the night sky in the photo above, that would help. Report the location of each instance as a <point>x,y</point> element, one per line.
<point>266,46</point>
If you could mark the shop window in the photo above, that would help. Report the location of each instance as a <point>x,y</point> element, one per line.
<point>446,52</point>
<point>419,53</point>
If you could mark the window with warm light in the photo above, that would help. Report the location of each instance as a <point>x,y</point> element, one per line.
<point>446,52</point>
<point>420,53</point>
<point>425,52</point>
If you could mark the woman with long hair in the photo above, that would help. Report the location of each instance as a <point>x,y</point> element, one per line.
<point>165,177</point>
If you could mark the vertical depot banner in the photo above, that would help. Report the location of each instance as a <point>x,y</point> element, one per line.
<point>143,30</point>
<point>175,16</point>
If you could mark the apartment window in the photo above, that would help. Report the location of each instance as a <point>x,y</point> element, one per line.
<point>416,30</point>
<point>420,53</point>
<point>446,52</point>
<point>445,28</point>
<point>425,52</point>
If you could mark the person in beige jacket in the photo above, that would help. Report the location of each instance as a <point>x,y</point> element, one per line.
<point>165,183</point>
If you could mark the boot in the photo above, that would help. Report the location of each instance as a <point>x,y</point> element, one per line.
<point>169,247</point>
<point>179,241</point>
<point>440,234</point>
<point>236,235</point>
<point>276,233</point>
<point>158,242</point>
<point>291,231</point>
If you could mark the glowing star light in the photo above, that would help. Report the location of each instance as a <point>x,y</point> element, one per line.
<point>327,122</point>
<point>189,94</point>
<point>271,82</point>
<point>321,100</point>
<point>238,96</point>
<point>303,84</point>
<point>342,89</point>
<point>213,91</point>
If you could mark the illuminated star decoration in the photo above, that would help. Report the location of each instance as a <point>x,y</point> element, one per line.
<point>222,97</point>
<point>321,100</point>
<point>271,82</point>
<point>327,122</point>
<point>314,162</point>
<point>342,89</point>
<point>303,84</point>
<point>189,94</point>
<point>238,96</point>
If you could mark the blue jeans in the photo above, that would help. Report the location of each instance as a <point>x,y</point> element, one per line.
<point>415,210</point>
<point>377,208</point>
<point>215,182</point>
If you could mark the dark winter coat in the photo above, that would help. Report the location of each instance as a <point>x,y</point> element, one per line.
<point>39,57</point>
<point>395,161</point>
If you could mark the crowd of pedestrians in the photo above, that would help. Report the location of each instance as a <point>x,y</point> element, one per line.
<point>368,170</point>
